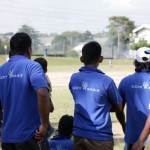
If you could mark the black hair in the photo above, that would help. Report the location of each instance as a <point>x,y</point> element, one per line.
<point>65,126</point>
<point>139,66</point>
<point>43,62</point>
<point>19,43</point>
<point>91,52</point>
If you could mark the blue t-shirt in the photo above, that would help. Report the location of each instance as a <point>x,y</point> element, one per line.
<point>93,91</point>
<point>60,143</point>
<point>20,78</point>
<point>135,91</point>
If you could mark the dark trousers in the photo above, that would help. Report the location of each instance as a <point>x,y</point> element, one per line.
<point>88,144</point>
<point>32,144</point>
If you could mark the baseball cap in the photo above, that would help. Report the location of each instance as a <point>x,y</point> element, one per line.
<point>143,54</point>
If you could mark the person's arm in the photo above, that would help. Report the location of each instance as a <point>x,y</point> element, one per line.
<point>43,105</point>
<point>116,104</point>
<point>144,134</point>
<point>51,105</point>
<point>118,108</point>
<point>1,118</point>
<point>50,91</point>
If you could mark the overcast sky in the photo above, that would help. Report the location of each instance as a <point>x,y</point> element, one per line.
<point>50,16</point>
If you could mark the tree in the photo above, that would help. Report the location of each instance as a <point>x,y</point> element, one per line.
<point>33,34</point>
<point>60,43</point>
<point>141,43</point>
<point>119,29</point>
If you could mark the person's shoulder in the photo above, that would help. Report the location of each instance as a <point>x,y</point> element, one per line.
<point>32,63</point>
<point>107,77</point>
<point>128,77</point>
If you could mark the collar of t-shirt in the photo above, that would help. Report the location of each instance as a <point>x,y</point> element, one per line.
<point>16,57</point>
<point>85,68</point>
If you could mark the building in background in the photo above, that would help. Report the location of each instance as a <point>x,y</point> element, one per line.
<point>141,33</point>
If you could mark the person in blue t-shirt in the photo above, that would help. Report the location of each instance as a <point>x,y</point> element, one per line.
<point>24,99</point>
<point>135,92</point>
<point>94,94</point>
<point>63,139</point>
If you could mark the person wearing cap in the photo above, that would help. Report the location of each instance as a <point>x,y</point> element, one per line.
<point>93,93</point>
<point>135,92</point>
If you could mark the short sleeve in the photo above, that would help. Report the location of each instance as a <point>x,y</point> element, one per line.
<point>37,76</point>
<point>113,93</point>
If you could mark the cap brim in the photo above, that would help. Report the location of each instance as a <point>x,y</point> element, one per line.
<point>147,51</point>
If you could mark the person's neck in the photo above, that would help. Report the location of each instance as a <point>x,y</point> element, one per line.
<point>92,65</point>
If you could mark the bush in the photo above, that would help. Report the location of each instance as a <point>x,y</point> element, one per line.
<point>141,43</point>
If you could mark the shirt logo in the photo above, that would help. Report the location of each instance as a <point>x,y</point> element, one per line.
<point>11,74</point>
<point>145,86</point>
<point>84,86</point>
<point>58,147</point>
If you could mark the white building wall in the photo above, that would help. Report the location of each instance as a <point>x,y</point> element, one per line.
<point>143,34</point>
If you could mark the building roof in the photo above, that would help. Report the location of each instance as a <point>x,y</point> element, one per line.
<point>147,26</point>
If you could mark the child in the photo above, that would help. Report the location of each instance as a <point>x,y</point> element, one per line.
<point>93,93</point>
<point>43,63</point>
<point>63,139</point>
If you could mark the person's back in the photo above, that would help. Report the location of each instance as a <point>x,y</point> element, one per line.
<point>93,93</point>
<point>18,92</point>
<point>23,97</point>
<point>135,91</point>
<point>63,139</point>
<point>92,109</point>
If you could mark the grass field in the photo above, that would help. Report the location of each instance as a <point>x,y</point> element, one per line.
<point>60,70</point>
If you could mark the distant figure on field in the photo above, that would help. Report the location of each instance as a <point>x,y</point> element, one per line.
<point>135,92</point>
<point>94,93</point>
<point>45,52</point>
<point>24,99</point>
<point>63,139</point>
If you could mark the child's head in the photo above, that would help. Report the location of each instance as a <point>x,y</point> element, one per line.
<point>42,62</point>
<point>91,53</point>
<point>65,126</point>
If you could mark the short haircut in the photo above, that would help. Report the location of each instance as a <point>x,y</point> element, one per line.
<point>91,52</point>
<point>42,62</point>
<point>20,43</point>
<point>65,126</point>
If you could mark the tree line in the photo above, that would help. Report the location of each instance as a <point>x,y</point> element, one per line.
<point>117,36</point>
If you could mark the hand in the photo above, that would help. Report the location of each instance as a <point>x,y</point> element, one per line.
<point>138,145</point>
<point>40,133</point>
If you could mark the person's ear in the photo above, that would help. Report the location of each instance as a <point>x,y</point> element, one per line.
<point>81,59</point>
<point>29,52</point>
<point>101,59</point>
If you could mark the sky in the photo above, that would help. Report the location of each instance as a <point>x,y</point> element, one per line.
<point>57,16</point>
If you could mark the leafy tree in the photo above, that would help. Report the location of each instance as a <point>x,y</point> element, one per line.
<point>87,36</point>
<point>60,43</point>
<point>141,43</point>
<point>33,34</point>
<point>72,38</point>
<point>4,47</point>
<point>119,27</point>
